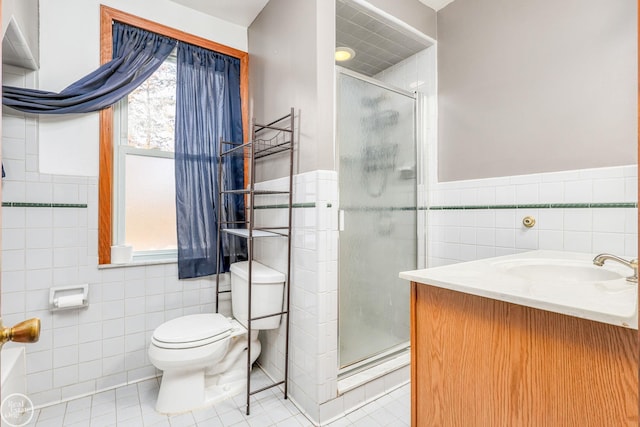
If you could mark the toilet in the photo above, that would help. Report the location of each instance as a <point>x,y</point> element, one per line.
<point>202,356</point>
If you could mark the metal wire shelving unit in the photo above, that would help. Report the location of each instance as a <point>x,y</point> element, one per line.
<point>274,138</point>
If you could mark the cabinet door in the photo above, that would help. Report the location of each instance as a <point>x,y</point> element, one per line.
<point>482,362</point>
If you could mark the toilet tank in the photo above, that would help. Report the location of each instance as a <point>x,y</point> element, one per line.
<point>267,294</point>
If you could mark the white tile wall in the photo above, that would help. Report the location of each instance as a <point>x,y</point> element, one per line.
<point>500,231</point>
<point>105,345</point>
<point>313,343</point>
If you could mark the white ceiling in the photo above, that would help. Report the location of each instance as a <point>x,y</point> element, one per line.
<point>243,12</point>
<point>436,4</point>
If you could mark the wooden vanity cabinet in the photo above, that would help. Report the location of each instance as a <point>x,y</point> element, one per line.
<point>487,363</point>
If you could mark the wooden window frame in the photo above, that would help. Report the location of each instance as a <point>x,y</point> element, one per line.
<point>105,180</point>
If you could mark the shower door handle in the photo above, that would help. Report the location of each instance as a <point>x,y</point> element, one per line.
<point>341,220</point>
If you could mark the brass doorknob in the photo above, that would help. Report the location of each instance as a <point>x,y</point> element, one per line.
<point>26,331</point>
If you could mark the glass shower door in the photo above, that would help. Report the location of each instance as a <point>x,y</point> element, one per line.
<point>377,182</point>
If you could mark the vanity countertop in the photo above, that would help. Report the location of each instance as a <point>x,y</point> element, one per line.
<point>562,282</point>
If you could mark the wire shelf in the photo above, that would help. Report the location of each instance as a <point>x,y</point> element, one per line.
<point>266,140</point>
<point>261,147</point>
<point>243,232</point>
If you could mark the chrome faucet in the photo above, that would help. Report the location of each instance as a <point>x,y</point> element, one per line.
<point>633,264</point>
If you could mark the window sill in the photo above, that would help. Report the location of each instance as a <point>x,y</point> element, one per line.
<point>139,263</point>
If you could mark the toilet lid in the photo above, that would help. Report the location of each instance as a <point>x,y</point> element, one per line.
<point>193,328</point>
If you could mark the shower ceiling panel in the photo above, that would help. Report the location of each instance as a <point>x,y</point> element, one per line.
<point>377,42</point>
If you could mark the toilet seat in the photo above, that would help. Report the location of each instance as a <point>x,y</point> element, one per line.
<point>192,331</point>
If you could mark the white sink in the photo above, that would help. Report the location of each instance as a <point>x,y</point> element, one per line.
<point>563,282</point>
<point>560,271</point>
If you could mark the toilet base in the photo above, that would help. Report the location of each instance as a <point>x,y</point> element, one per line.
<point>180,391</point>
<point>188,390</point>
<point>218,390</point>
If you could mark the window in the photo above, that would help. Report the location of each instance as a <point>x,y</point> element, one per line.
<point>133,213</point>
<point>144,182</point>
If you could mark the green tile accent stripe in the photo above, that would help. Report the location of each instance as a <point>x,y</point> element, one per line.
<point>535,206</point>
<point>613,205</point>
<point>384,208</point>
<point>295,205</point>
<point>43,205</point>
<point>467,207</point>
<point>84,205</point>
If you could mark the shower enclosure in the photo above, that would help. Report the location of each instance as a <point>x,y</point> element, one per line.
<point>378,218</point>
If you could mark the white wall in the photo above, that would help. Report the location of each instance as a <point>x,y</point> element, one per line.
<point>291,45</point>
<point>536,86</point>
<point>70,49</point>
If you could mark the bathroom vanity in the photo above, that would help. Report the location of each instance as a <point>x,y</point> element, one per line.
<point>542,338</point>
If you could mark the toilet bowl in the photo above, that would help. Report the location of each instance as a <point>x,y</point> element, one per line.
<point>203,356</point>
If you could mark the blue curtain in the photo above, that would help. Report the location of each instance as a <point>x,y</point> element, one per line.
<point>207,108</point>
<point>136,55</point>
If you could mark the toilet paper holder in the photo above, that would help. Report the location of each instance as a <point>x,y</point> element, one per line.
<point>69,297</point>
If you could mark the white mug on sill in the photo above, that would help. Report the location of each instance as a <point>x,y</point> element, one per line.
<point>121,254</point>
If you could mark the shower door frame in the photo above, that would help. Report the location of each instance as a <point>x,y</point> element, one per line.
<point>375,82</point>
<point>403,347</point>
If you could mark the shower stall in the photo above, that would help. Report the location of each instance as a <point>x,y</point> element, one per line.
<point>376,133</point>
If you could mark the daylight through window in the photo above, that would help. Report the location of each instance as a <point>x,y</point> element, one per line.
<point>136,190</point>
<point>144,166</point>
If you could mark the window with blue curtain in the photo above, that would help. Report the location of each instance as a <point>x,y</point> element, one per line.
<point>208,107</point>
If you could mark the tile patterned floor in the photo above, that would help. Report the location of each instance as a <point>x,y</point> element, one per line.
<point>132,406</point>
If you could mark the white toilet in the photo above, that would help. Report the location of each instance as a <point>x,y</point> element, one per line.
<point>203,355</point>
